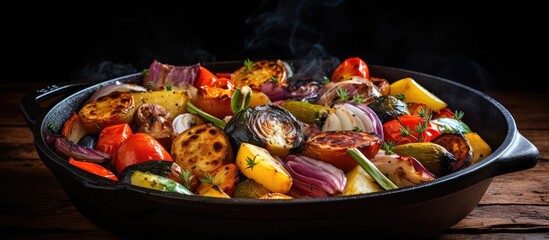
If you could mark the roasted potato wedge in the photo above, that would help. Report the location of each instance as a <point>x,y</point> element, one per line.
<point>174,101</point>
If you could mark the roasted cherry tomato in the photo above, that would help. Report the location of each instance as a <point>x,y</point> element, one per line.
<point>351,67</point>
<point>393,132</point>
<point>138,148</point>
<point>214,94</point>
<point>94,168</point>
<point>112,136</point>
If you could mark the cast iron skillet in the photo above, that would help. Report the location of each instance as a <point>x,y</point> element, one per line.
<point>413,212</point>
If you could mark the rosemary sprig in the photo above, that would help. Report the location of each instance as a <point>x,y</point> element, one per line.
<point>458,114</point>
<point>248,63</point>
<point>388,147</point>
<point>343,94</point>
<point>186,176</point>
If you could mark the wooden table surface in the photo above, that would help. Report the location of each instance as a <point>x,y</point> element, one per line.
<point>33,205</point>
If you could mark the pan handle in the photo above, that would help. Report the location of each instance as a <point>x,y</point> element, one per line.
<point>31,103</point>
<point>520,155</point>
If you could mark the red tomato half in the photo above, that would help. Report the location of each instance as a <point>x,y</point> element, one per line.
<point>138,148</point>
<point>393,133</point>
<point>112,136</point>
<point>349,68</point>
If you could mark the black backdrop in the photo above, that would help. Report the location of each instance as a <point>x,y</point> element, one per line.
<point>486,47</point>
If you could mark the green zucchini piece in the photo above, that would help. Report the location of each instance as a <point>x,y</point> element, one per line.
<point>156,182</point>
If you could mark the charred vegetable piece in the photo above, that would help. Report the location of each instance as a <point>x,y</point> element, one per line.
<point>355,88</point>
<point>154,120</point>
<point>402,170</point>
<point>275,196</point>
<point>388,107</point>
<point>224,178</point>
<point>72,129</point>
<point>108,110</point>
<point>249,188</point>
<point>156,182</point>
<point>254,74</point>
<point>258,164</point>
<point>451,125</point>
<point>459,146</point>
<point>360,182</point>
<point>306,112</point>
<point>156,167</point>
<point>481,149</point>
<point>431,155</point>
<point>202,149</point>
<point>268,126</point>
<point>331,147</point>
<point>213,191</point>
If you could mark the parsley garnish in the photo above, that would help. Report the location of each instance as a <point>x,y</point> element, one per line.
<point>169,87</point>
<point>357,129</point>
<point>400,96</point>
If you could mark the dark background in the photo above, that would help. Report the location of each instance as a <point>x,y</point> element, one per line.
<point>485,47</point>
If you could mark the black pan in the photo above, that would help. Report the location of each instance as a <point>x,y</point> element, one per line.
<point>420,211</point>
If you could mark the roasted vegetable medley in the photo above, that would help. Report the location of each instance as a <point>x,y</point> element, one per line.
<point>263,131</point>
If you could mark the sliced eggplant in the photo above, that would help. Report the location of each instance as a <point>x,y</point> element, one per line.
<point>431,155</point>
<point>157,167</point>
<point>459,146</point>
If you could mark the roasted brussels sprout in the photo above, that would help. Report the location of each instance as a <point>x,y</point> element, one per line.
<point>387,106</point>
<point>268,126</point>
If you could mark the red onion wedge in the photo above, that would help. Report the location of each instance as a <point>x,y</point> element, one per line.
<point>66,148</point>
<point>315,178</point>
<point>160,76</point>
